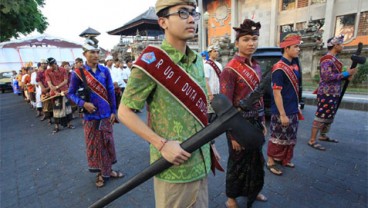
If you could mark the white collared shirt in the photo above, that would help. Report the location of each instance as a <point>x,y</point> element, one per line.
<point>213,80</point>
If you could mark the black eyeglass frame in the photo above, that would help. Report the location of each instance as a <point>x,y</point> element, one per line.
<point>184,14</point>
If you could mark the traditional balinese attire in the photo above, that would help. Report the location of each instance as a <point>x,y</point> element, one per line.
<point>98,130</point>
<point>212,71</point>
<point>62,111</point>
<point>46,105</point>
<point>33,94</point>
<point>24,86</point>
<point>170,118</point>
<point>245,173</point>
<point>285,76</point>
<point>240,77</point>
<point>114,72</point>
<point>15,85</point>
<point>329,89</point>
<point>30,89</point>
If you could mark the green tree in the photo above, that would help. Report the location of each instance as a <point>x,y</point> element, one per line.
<point>21,16</point>
<point>361,75</point>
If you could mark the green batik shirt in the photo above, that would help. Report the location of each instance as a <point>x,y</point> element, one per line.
<point>168,118</point>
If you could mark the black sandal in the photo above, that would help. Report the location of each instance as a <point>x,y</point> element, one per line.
<point>56,130</point>
<point>327,139</point>
<point>317,146</point>
<point>71,126</point>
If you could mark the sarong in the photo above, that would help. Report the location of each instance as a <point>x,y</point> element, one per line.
<point>47,109</point>
<point>245,171</point>
<point>326,108</point>
<point>62,110</point>
<point>100,146</point>
<point>283,138</point>
<point>325,113</point>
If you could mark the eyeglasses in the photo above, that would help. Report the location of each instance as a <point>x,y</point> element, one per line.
<point>184,14</point>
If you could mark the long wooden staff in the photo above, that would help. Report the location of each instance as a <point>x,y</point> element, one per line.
<point>62,93</point>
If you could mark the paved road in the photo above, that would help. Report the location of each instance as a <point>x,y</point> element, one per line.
<point>42,170</point>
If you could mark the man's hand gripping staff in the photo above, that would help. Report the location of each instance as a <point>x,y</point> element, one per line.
<point>356,60</point>
<point>228,119</point>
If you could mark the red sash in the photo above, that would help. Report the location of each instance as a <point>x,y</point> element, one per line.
<point>214,66</point>
<point>94,84</point>
<point>332,59</point>
<point>293,79</point>
<point>157,64</point>
<point>280,65</point>
<point>246,72</point>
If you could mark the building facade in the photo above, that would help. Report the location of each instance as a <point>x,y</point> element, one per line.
<point>334,17</point>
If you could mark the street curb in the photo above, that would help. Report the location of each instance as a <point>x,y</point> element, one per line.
<point>345,104</point>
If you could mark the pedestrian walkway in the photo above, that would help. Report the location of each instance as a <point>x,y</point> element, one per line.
<point>349,101</point>
<point>42,170</point>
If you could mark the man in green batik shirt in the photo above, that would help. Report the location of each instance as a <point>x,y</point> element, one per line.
<point>185,183</point>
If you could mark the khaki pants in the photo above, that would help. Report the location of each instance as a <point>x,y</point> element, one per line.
<point>181,195</point>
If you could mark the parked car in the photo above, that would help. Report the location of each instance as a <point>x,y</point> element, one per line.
<point>267,57</point>
<point>5,81</point>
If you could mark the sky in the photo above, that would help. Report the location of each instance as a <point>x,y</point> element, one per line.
<point>69,18</point>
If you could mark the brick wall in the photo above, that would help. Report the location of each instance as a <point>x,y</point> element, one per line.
<point>302,3</point>
<point>363,24</point>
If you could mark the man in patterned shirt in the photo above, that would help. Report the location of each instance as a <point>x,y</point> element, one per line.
<point>328,92</point>
<point>99,111</point>
<point>170,122</point>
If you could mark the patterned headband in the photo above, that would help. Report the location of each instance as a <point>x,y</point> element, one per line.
<point>336,40</point>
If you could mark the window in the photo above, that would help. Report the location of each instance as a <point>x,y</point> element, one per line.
<point>300,26</point>
<point>345,25</point>
<point>286,29</point>
<point>293,4</point>
<point>288,4</point>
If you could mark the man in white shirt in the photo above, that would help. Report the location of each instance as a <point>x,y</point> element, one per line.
<point>113,70</point>
<point>115,75</point>
<point>34,83</point>
<point>38,102</point>
<point>212,70</point>
<point>127,70</point>
<point>120,75</point>
<point>126,73</point>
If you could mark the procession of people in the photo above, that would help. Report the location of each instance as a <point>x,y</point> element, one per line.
<point>179,106</point>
